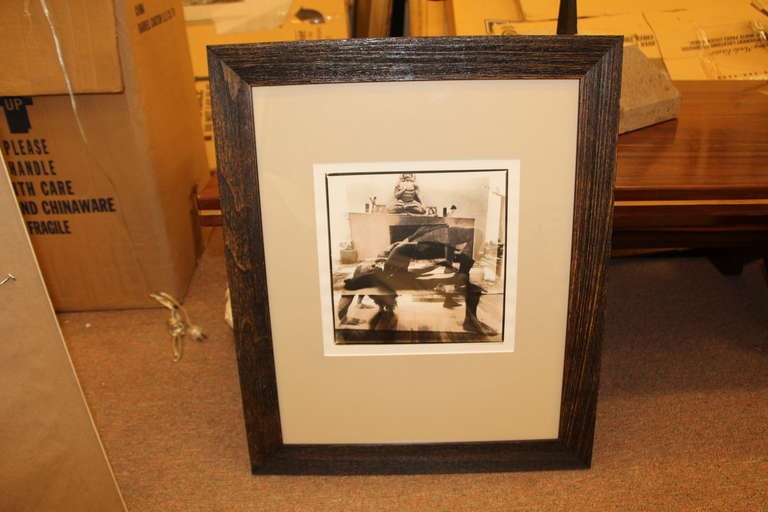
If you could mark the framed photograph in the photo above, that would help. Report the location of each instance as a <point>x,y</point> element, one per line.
<point>417,232</point>
<point>407,280</point>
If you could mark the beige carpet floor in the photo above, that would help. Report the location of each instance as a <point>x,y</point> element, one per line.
<point>682,417</point>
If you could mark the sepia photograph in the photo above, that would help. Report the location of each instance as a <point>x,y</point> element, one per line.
<point>417,256</point>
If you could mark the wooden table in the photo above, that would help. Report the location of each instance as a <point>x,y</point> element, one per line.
<point>700,181</point>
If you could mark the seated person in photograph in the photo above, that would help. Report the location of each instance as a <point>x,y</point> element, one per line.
<point>392,273</point>
<point>407,196</point>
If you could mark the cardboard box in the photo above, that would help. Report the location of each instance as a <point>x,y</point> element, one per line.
<point>106,181</point>
<point>473,18</point>
<point>301,22</point>
<point>428,18</point>
<point>373,18</point>
<point>86,34</point>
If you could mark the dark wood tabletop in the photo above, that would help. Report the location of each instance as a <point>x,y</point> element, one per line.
<point>716,149</point>
<point>700,180</point>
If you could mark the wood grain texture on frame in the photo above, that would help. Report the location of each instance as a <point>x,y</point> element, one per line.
<point>235,70</point>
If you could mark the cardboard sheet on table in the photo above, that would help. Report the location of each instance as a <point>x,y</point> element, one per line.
<point>633,27</point>
<point>536,10</point>
<point>715,43</point>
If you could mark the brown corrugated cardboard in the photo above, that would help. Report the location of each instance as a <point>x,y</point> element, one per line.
<point>633,27</point>
<point>708,41</point>
<point>296,27</point>
<point>714,42</point>
<point>86,36</point>
<point>52,457</point>
<point>473,18</point>
<point>106,181</point>
<point>427,18</point>
<point>536,10</point>
<point>373,18</point>
<point>299,24</point>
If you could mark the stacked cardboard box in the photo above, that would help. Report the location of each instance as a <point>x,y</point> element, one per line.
<point>103,146</point>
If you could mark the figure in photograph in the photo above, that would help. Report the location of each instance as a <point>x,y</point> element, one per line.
<point>407,198</point>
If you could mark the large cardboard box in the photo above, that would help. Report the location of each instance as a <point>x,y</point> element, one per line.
<point>427,18</point>
<point>105,179</point>
<point>472,18</point>
<point>304,20</point>
<point>38,36</point>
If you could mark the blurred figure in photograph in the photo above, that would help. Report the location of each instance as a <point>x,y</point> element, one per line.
<point>393,273</point>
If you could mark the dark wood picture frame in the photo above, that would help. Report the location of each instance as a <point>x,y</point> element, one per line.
<point>235,69</point>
